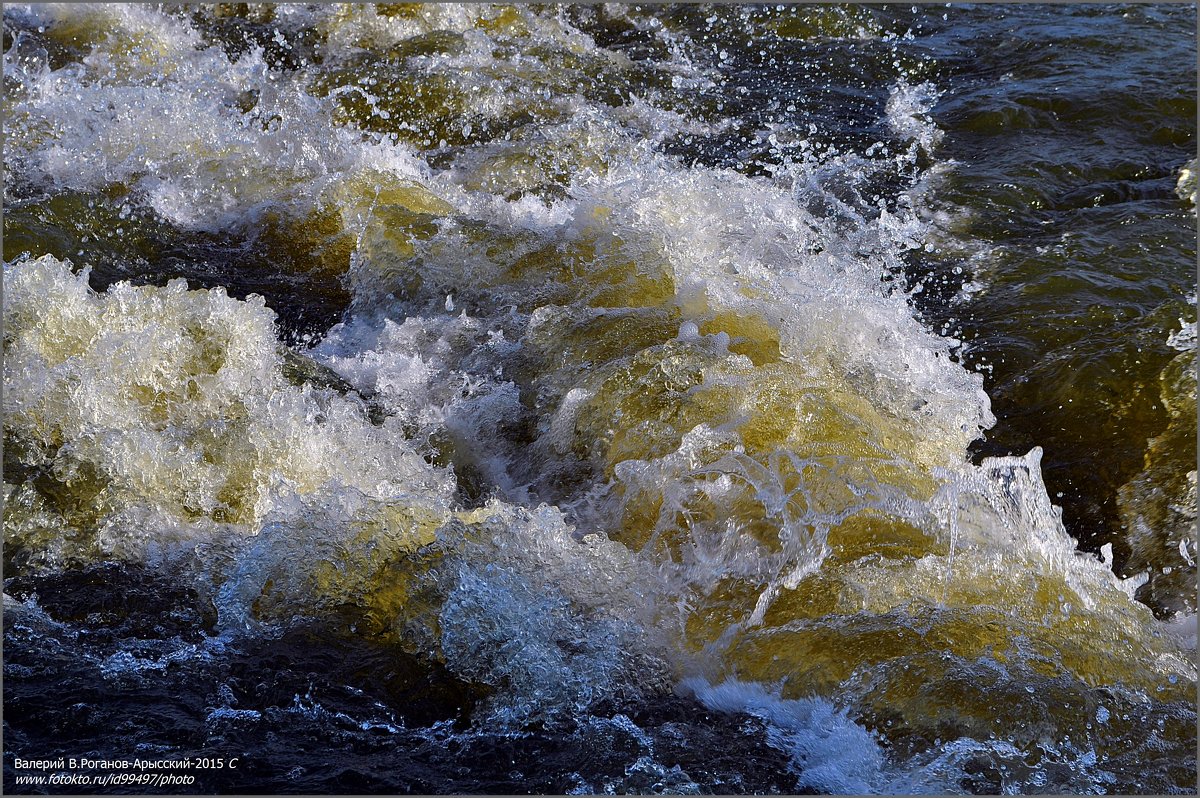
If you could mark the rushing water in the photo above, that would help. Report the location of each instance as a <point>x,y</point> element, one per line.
<point>585,399</point>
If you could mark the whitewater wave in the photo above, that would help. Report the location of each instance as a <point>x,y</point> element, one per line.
<point>596,424</point>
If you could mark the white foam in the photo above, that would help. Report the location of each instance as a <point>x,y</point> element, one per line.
<point>163,120</point>
<point>175,401</point>
<point>830,752</point>
<point>908,109</point>
<point>1183,339</point>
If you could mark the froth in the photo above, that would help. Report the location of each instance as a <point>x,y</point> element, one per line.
<point>173,403</point>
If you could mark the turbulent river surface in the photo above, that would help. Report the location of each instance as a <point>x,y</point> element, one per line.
<point>602,399</point>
